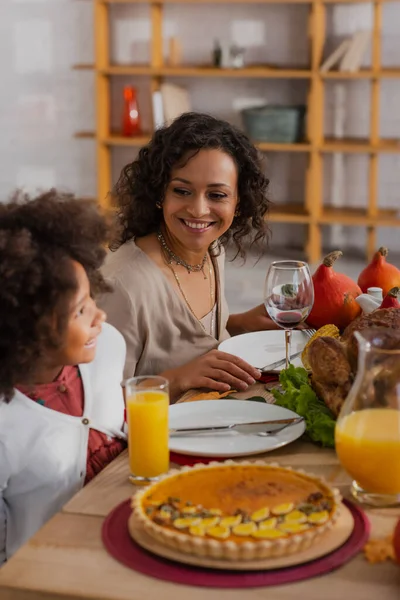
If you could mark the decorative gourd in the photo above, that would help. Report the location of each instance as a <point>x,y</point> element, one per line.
<point>390,300</point>
<point>334,296</point>
<point>379,273</point>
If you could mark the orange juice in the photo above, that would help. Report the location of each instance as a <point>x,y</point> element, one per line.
<point>147,415</point>
<point>368,446</point>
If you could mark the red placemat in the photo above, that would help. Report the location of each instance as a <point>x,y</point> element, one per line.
<point>185,459</point>
<point>120,545</point>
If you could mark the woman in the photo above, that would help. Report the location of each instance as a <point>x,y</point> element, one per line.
<point>61,402</point>
<point>197,185</point>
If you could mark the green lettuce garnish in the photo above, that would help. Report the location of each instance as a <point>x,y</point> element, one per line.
<point>299,397</point>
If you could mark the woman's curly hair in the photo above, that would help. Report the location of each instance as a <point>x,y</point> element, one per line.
<point>143,182</point>
<point>39,238</point>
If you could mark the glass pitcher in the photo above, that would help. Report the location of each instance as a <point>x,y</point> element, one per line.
<point>367,435</point>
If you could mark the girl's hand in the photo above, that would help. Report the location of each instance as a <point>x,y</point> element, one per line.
<point>215,370</point>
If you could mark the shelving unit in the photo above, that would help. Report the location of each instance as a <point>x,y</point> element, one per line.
<point>313,214</point>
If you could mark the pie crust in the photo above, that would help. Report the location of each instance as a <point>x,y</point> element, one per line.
<point>228,510</point>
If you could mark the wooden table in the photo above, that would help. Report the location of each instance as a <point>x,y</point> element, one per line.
<point>66,558</point>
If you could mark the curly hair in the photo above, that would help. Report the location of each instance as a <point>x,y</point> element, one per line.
<point>39,238</point>
<point>143,182</point>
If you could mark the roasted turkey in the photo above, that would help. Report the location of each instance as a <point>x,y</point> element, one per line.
<point>334,363</point>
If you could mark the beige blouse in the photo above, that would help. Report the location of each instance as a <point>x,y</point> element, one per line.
<point>160,331</point>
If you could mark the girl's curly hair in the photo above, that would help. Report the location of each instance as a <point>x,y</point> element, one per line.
<point>143,182</point>
<point>39,238</point>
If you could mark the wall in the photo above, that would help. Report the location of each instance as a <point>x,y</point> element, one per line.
<point>43,102</point>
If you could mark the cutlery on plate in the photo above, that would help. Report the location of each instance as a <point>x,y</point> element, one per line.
<point>258,426</point>
<point>279,363</point>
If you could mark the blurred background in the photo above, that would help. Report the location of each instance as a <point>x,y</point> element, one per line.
<point>334,163</point>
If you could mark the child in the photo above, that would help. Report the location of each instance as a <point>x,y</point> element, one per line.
<point>61,366</point>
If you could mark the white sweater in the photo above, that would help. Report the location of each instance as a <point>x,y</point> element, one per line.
<point>43,452</point>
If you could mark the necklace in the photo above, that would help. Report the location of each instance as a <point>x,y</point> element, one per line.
<point>212,299</point>
<point>179,261</point>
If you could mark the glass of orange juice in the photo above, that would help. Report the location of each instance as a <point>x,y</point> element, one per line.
<point>367,435</point>
<point>147,404</point>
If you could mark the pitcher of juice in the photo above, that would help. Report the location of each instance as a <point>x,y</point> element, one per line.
<point>147,404</point>
<point>367,432</point>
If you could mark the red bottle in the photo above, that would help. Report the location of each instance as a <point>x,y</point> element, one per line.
<point>131,117</point>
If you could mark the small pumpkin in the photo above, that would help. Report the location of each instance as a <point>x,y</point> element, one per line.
<point>391,299</point>
<point>379,273</point>
<point>334,296</point>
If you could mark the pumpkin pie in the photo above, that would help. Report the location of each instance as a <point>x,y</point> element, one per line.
<point>236,511</point>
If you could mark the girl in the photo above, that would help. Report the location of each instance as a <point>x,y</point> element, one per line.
<point>61,403</point>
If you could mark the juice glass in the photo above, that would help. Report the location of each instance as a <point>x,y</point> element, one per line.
<point>367,435</point>
<point>147,404</point>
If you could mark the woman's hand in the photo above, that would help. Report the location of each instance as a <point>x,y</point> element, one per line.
<point>215,370</point>
<point>255,319</point>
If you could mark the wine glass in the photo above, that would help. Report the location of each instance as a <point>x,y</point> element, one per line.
<point>288,296</point>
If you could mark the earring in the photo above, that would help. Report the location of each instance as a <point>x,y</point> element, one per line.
<point>237,213</point>
<point>158,205</point>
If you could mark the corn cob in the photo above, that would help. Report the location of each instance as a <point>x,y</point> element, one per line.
<point>326,331</point>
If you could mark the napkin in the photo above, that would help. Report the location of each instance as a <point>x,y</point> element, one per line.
<point>268,378</point>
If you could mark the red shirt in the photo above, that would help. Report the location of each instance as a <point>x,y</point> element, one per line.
<point>66,395</point>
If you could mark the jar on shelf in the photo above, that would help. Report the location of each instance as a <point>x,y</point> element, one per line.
<point>131,117</point>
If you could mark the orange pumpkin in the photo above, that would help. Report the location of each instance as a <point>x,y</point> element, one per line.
<point>334,296</point>
<point>379,273</point>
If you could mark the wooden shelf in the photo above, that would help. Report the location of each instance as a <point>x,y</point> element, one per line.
<point>246,73</point>
<point>274,147</point>
<point>313,215</point>
<point>359,216</point>
<point>360,146</point>
<point>131,70</point>
<point>288,213</point>
<point>355,1</point>
<point>260,72</point>
<point>389,146</point>
<point>389,73</point>
<point>116,139</point>
<point>363,74</point>
<point>240,1</point>
<point>256,71</point>
<point>296,213</point>
<point>215,1</point>
<point>387,218</point>
<point>120,140</point>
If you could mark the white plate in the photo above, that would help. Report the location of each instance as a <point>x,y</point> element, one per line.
<point>262,348</point>
<point>204,413</point>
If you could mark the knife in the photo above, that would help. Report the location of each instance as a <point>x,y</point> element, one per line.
<point>280,362</point>
<point>266,426</point>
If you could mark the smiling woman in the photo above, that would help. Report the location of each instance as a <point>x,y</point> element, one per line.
<point>197,185</point>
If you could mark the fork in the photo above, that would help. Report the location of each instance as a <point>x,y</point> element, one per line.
<point>309,333</point>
